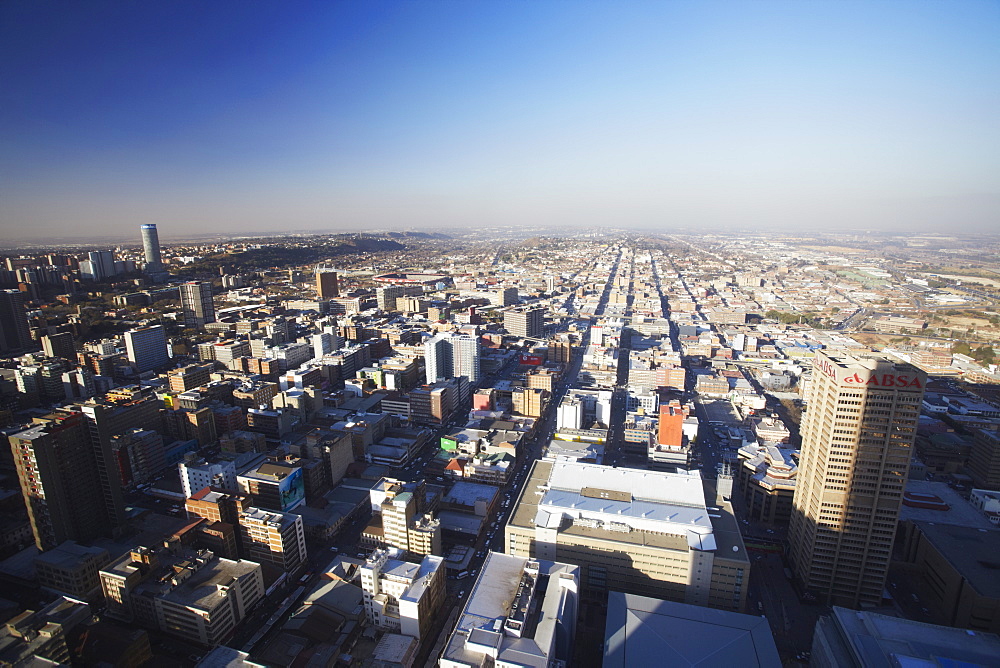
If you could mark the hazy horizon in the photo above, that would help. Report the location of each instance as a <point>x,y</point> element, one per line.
<point>235,118</point>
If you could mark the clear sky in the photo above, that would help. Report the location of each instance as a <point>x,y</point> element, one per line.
<point>256,116</point>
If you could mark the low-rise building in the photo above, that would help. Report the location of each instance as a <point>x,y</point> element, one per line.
<point>195,596</point>
<point>520,612</point>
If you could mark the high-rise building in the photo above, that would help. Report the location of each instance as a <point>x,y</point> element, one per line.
<point>196,301</point>
<point>151,249</point>
<point>59,345</point>
<point>327,285</point>
<point>449,356</point>
<point>58,473</point>
<point>14,333</point>
<point>147,347</point>
<point>857,440</point>
<point>984,459</point>
<point>524,322</point>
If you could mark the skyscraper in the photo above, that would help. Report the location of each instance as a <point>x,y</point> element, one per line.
<point>58,473</point>
<point>857,439</point>
<point>448,356</point>
<point>196,300</point>
<point>151,249</point>
<point>326,284</point>
<point>14,332</point>
<point>147,347</point>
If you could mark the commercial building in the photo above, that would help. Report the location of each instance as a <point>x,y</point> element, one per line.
<point>57,469</point>
<point>15,335</point>
<point>147,348</point>
<point>858,638</point>
<point>403,518</point>
<point>642,532</point>
<point>197,474</point>
<point>195,596</point>
<point>520,612</point>
<point>642,631</point>
<point>151,252</point>
<point>765,479</point>
<point>449,356</point>
<point>59,345</point>
<point>273,538</point>
<point>525,322</point>
<point>857,441</point>
<point>327,285</point>
<point>277,486</point>
<point>984,459</point>
<point>197,304</point>
<point>400,596</point>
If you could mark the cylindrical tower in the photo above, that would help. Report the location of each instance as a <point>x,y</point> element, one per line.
<point>151,247</point>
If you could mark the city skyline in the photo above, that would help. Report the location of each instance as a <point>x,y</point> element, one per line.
<point>224,119</point>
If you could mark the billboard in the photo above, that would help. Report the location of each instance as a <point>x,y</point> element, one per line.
<point>292,490</point>
<point>534,360</point>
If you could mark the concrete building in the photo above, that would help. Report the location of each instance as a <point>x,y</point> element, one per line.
<point>866,640</point>
<point>520,612</point>
<point>327,285</point>
<point>400,596</point>
<point>984,459</point>
<point>406,521</point>
<point>448,356</point>
<point>277,486</point>
<point>525,322</point>
<point>857,440</point>
<point>197,474</point>
<point>195,596</point>
<point>15,336</point>
<point>57,469</point>
<point>630,530</point>
<point>72,569</point>
<point>147,348</point>
<point>766,478</point>
<point>59,345</point>
<point>273,537</point>
<point>642,631</point>
<point>151,252</point>
<point>197,304</point>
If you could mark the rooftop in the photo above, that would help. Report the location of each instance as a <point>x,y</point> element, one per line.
<point>645,631</point>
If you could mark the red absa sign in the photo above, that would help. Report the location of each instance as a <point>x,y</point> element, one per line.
<point>534,360</point>
<point>884,380</point>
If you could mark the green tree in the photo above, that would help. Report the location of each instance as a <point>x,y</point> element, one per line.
<point>961,348</point>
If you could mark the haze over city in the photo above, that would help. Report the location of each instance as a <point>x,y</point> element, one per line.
<point>234,118</point>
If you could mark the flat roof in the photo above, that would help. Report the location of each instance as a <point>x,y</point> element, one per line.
<point>644,631</point>
<point>974,553</point>
<point>960,512</point>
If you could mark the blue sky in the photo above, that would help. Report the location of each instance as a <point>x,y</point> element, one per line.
<point>264,116</point>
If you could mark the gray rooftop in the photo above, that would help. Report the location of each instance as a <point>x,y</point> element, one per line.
<point>645,631</point>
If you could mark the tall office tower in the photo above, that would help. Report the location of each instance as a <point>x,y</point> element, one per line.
<point>151,249</point>
<point>122,410</point>
<point>14,332</point>
<point>58,473</point>
<point>525,323</point>
<point>102,264</point>
<point>147,347</point>
<point>196,300</point>
<point>59,345</point>
<point>327,286</point>
<point>448,356</point>
<point>857,439</point>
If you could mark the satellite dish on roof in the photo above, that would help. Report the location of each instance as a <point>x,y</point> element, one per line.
<point>736,548</point>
